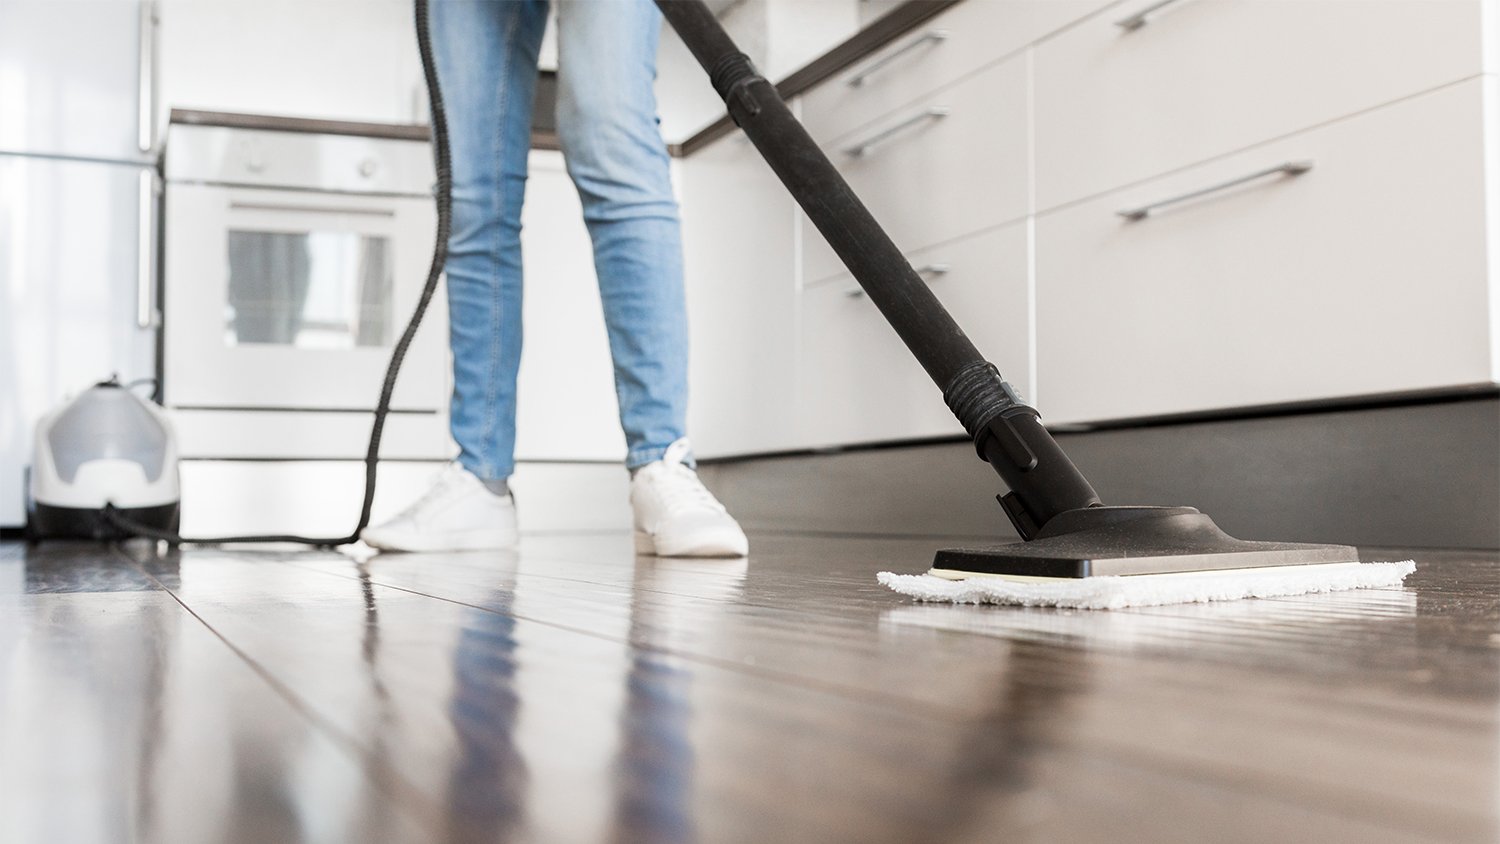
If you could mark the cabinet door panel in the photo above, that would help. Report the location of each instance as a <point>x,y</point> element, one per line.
<point>955,162</point>
<point>859,383</point>
<point>1366,274</point>
<point>946,48</point>
<point>739,227</point>
<point>1205,78</point>
<point>565,395</point>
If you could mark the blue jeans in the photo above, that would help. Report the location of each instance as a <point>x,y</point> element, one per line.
<point>486,54</point>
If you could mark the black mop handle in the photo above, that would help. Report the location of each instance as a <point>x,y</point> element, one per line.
<point>1007,432</point>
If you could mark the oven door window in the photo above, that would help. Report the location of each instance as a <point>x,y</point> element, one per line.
<point>310,290</point>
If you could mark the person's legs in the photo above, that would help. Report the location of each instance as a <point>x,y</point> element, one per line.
<point>606,121</point>
<point>486,55</point>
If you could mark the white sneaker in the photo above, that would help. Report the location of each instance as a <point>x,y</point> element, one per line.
<point>457,514</point>
<point>676,516</point>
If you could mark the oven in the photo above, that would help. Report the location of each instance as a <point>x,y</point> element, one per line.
<point>294,253</point>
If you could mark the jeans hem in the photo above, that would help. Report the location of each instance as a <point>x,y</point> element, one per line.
<point>488,474</point>
<point>639,457</point>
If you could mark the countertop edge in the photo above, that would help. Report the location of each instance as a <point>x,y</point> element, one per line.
<point>882,31</point>
<point>543,140</point>
<point>311,125</point>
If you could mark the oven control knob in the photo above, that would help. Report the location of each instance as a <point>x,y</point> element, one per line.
<point>367,167</point>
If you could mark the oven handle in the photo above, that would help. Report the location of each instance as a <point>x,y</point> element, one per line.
<point>147,316</point>
<point>312,209</point>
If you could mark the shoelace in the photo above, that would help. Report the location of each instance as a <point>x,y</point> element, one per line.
<point>681,489</point>
<point>448,483</point>
<point>678,485</point>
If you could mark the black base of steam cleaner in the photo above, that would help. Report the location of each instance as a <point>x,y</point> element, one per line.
<point>1067,531</point>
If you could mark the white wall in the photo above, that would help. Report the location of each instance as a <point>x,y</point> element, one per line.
<point>339,59</point>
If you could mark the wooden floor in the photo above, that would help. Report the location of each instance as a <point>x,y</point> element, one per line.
<point>573,692</point>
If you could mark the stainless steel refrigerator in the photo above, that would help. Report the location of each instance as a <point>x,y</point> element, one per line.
<point>78,210</point>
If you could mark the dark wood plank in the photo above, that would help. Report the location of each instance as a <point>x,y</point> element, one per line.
<point>1271,698</point>
<point>124,719</point>
<point>571,691</point>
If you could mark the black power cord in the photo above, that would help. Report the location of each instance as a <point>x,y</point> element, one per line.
<point>444,199</point>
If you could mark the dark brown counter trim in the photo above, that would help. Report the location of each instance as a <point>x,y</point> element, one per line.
<point>275,123</point>
<point>882,31</point>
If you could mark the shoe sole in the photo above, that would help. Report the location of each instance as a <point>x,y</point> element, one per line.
<point>647,544</point>
<point>479,540</point>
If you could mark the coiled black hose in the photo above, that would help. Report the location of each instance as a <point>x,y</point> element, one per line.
<point>444,198</point>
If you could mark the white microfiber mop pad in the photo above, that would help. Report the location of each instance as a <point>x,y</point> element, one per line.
<point>1150,590</point>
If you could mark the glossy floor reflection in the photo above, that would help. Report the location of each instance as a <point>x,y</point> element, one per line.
<point>574,692</point>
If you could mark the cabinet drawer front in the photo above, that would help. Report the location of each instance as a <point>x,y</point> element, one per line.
<point>951,165</point>
<point>1363,275</point>
<point>741,273</point>
<point>856,380</point>
<point>957,42</point>
<point>1203,78</point>
<point>565,408</point>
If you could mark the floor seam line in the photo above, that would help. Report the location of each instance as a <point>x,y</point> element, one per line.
<point>280,689</point>
<point>862,696</point>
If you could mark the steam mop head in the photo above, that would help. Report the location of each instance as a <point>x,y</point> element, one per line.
<point>1147,590</point>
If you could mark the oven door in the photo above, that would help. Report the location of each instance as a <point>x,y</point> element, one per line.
<point>286,299</point>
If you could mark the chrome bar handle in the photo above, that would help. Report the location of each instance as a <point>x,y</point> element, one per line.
<point>1289,168</point>
<point>146,78</point>
<point>864,146</point>
<point>936,36</point>
<point>1143,17</point>
<point>924,270</point>
<point>146,315</point>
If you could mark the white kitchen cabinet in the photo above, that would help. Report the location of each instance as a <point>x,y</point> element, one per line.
<point>858,383</point>
<point>1368,274</point>
<point>1199,79</point>
<point>739,231</point>
<point>565,396</point>
<point>941,51</point>
<point>1373,273</point>
<point>955,161</point>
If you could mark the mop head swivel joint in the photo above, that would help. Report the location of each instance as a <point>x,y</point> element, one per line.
<point>1115,557</point>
